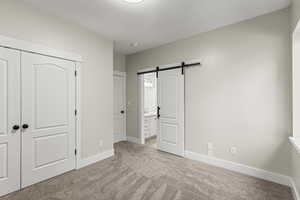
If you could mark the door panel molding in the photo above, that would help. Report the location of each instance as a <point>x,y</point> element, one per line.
<point>10,108</point>
<point>171,102</point>
<point>48,104</point>
<point>10,53</point>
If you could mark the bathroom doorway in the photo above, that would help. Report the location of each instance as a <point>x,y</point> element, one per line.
<point>150,110</point>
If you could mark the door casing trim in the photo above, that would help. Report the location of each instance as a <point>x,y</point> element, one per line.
<point>124,76</point>
<point>24,46</point>
<point>140,111</point>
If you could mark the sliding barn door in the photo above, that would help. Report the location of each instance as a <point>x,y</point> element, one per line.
<point>9,121</point>
<point>48,120</point>
<point>171,111</point>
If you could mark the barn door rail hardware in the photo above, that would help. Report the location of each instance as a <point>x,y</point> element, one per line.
<point>182,67</point>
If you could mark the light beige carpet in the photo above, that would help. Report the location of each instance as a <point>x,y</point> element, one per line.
<point>138,172</point>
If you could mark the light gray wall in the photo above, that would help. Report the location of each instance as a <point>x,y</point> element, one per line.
<point>240,96</point>
<point>119,62</point>
<point>24,22</point>
<point>295,17</point>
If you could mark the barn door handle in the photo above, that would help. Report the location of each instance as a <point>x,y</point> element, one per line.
<point>25,126</point>
<point>16,127</point>
<point>158,113</point>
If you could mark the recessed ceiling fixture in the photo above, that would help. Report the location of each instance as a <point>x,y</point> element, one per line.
<point>133,1</point>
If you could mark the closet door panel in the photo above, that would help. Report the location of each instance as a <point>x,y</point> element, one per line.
<point>9,117</point>
<point>48,96</point>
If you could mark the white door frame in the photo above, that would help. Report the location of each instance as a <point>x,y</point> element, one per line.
<point>78,116</point>
<point>124,76</point>
<point>21,45</point>
<point>141,96</point>
<point>296,113</point>
<point>141,111</point>
<point>141,101</point>
<point>140,79</point>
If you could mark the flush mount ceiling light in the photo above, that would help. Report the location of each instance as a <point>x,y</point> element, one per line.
<point>133,1</point>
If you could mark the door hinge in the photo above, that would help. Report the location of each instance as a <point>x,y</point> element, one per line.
<point>75,72</point>
<point>75,112</point>
<point>75,152</point>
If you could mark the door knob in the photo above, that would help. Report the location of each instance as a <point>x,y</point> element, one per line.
<point>16,127</point>
<point>122,111</point>
<point>25,126</point>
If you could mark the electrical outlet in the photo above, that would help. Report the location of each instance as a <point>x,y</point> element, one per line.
<point>210,149</point>
<point>210,146</point>
<point>233,150</point>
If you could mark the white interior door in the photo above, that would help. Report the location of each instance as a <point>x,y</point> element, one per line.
<point>119,108</point>
<point>48,105</point>
<point>171,104</point>
<point>9,120</point>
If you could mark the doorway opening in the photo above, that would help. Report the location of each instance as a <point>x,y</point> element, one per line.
<point>150,110</point>
<point>161,107</point>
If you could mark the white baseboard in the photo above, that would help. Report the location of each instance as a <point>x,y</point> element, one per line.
<point>96,158</point>
<point>120,138</point>
<point>295,191</point>
<point>133,139</point>
<point>243,169</point>
<point>237,167</point>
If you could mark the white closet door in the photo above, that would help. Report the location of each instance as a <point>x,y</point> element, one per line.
<point>48,105</point>
<point>171,104</point>
<point>119,108</point>
<point>9,117</point>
